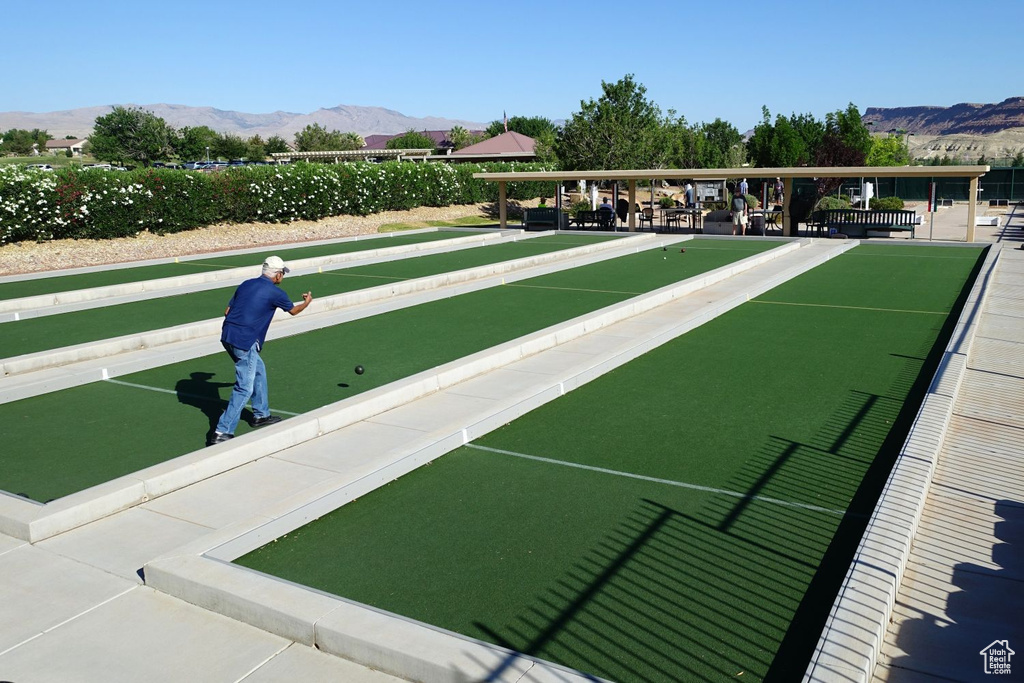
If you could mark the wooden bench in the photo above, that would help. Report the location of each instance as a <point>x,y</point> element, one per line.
<point>544,219</point>
<point>857,223</point>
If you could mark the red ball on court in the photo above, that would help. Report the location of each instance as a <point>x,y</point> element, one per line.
<point>682,251</point>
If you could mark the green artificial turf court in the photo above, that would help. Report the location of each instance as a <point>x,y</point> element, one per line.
<point>83,436</point>
<point>32,335</point>
<point>687,516</point>
<point>116,276</point>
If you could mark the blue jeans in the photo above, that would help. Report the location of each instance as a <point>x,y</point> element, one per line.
<point>250,381</point>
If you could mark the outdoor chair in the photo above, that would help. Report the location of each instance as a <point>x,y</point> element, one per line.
<point>645,216</point>
<point>771,220</point>
<point>671,218</point>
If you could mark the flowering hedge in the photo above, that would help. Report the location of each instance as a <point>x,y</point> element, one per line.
<point>42,205</point>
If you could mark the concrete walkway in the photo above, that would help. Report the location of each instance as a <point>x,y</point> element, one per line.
<point>963,588</point>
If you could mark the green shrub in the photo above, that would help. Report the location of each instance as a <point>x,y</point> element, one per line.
<point>576,207</point>
<point>77,203</point>
<point>830,202</point>
<point>887,204</point>
<point>666,202</point>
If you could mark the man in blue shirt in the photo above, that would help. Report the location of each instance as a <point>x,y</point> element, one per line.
<point>246,322</point>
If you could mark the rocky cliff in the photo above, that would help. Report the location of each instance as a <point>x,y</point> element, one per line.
<point>960,119</point>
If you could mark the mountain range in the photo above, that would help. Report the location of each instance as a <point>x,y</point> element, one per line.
<point>966,130</point>
<point>345,118</point>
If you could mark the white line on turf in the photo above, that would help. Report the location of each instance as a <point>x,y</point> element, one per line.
<point>669,482</point>
<point>176,393</point>
<point>852,308</point>
<point>576,289</point>
<point>376,277</point>
<point>854,252</point>
<point>204,264</point>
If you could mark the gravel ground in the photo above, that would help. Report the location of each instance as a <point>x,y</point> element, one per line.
<point>30,257</point>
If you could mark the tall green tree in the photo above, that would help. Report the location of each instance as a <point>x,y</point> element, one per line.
<point>191,143</point>
<point>230,146</point>
<point>257,149</point>
<point>685,143</point>
<point>21,142</point>
<point>276,145</point>
<point>722,146</point>
<point>459,137</point>
<point>462,138</point>
<point>788,142</point>
<point>316,138</point>
<point>888,151</point>
<point>846,142</point>
<point>410,139</point>
<point>622,129</point>
<point>531,126</point>
<point>130,135</point>
<point>352,140</point>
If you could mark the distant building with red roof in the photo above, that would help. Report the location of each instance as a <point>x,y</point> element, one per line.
<point>507,145</point>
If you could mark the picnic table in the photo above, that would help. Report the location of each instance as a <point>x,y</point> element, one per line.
<point>602,219</point>
<point>674,215</point>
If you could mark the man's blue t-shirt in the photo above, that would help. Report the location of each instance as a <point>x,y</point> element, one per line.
<point>251,310</point>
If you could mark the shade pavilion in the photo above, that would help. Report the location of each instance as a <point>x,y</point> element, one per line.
<point>788,175</point>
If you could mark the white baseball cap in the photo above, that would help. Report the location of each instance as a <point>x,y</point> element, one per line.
<point>275,263</point>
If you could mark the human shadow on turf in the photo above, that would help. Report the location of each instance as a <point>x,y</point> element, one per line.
<point>199,392</point>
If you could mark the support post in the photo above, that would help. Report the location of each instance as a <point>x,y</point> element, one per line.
<point>502,206</point>
<point>972,208</point>
<point>632,205</point>
<point>788,228</point>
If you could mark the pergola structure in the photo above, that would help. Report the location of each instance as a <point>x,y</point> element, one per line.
<point>787,175</point>
<point>355,155</point>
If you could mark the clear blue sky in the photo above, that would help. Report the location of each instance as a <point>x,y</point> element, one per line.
<point>473,60</point>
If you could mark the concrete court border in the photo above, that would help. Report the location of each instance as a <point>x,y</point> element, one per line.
<point>13,310</point>
<point>72,365</point>
<point>201,572</point>
<point>32,521</point>
<point>855,630</point>
<point>43,274</point>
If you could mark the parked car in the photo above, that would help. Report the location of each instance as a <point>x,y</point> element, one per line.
<point>40,167</point>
